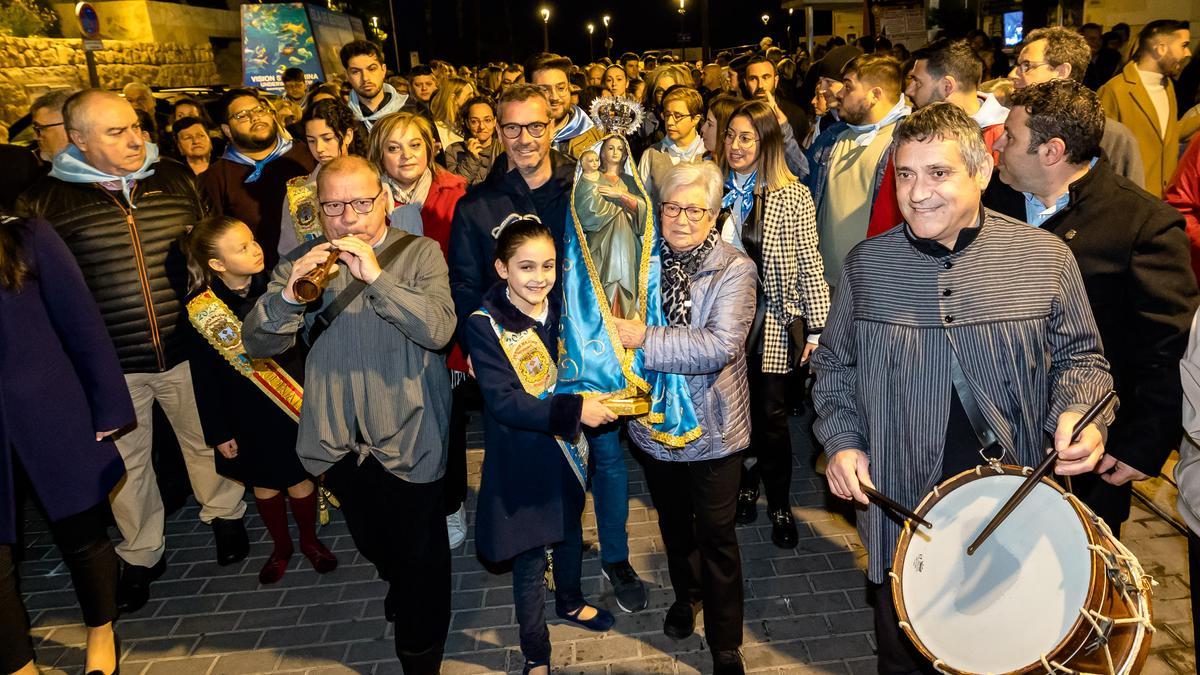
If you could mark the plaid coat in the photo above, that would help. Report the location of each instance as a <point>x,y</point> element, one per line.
<point>792,273</point>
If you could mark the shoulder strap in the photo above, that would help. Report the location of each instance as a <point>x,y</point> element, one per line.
<point>350,292</point>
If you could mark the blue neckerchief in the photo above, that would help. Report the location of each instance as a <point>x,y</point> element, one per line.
<point>863,134</point>
<point>393,101</point>
<point>70,166</point>
<point>578,124</point>
<point>282,146</point>
<point>741,199</point>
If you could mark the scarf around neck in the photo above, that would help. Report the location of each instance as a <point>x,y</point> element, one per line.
<point>393,101</point>
<point>71,166</point>
<point>863,134</point>
<point>677,272</point>
<point>282,147</point>
<point>578,124</point>
<point>416,196</point>
<point>739,198</point>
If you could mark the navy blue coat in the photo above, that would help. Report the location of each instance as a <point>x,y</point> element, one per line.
<point>472,246</point>
<point>60,383</point>
<point>527,489</point>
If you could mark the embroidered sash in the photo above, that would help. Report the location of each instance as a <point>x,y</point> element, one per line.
<point>302,205</point>
<point>535,368</point>
<point>221,328</point>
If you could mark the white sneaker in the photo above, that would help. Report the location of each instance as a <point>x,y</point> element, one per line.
<point>456,527</point>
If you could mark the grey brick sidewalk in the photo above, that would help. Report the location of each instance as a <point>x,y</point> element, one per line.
<point>805,609</point>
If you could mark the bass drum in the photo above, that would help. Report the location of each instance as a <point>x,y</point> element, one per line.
<point>1050,591</point>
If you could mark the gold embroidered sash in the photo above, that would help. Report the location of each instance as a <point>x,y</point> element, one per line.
<point>221,328</point>
<point>302,205</point>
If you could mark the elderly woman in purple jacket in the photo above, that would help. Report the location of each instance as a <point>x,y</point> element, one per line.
<point>708,297</point>
<point>62,396</point>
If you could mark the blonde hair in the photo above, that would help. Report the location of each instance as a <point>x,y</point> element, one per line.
<point>444,106</point>
<point>401,121</point>
<point>771,165</point>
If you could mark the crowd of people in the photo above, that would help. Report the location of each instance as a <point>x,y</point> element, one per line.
<point>319,288</point>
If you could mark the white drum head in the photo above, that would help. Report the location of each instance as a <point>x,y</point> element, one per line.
<point>1017,598</point>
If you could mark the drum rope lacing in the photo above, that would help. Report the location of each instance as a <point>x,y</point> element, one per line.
<point>1112,561</point>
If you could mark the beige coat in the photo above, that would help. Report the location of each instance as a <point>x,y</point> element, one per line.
<point>1126,100</point>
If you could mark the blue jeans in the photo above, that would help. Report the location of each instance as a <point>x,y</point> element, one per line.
<point>529,590</point>
<point>610,492</point>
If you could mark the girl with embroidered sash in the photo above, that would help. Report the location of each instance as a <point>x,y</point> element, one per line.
<point>535,457</point>
<point>330,131</point>
<point>249,408</point>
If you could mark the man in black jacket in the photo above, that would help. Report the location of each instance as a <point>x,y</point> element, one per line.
<point>531,178</point>
<point>1133,252</point>
<point>121,210</point>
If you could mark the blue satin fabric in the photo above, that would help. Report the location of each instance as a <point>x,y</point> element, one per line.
<point>591,358</point>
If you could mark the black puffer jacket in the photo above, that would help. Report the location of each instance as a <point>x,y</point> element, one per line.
<point>130,259</point>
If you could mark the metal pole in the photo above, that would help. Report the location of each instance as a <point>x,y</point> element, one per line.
<point>808,27</point>
<point>395,35</point>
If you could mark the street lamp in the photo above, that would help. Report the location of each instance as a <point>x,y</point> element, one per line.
<point>766,18</point>
<point>682,31</point>
<point>591,29</point>
<point>545,29</point>
<point>608,43</point>
<point>791,10</point>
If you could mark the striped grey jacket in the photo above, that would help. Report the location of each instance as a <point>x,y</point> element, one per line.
<point>1010,305</point>
<point>793,277</point>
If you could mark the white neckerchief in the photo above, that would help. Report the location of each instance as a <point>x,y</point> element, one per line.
<point>863,134</point>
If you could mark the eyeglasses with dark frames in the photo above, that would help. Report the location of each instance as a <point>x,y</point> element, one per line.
<point>360,206</point>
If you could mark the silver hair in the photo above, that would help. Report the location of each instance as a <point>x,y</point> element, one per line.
<point>945,122</point>
<point>701,174</point>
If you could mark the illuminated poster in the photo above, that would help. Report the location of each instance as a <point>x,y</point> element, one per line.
<point>332,30</point>
<point>276,37</point>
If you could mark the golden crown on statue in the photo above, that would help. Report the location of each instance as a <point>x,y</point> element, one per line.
<point>617,115</point>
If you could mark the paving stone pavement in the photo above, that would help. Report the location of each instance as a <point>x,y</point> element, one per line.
<point>806,610</point>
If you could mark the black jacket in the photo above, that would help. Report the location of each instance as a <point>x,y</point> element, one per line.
<point>503,192</point>
<point>1133,253</point>
<point>130,258</point>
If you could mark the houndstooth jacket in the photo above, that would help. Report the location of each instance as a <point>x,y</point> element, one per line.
<point>793,275</point>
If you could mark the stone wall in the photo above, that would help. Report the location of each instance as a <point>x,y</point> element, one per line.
<point>30,67</point>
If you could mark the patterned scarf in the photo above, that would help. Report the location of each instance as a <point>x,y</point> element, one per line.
<point>677,271</point>
<point>739,199</point>
<point>282,146</point>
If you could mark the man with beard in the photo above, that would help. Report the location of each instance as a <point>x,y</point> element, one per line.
<point>1142,98</point>
<point>572,127</point>
<point>121,209</point>
<point>249,181</point>
<point>950,70</point>
<point>371,98</point>
<point>532,178</point>
<point>853,181</point>
<point>762,82</point>
<point>1133,253</point>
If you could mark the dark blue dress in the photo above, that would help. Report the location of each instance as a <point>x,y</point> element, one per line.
<point>528,489</point>
<point>60,383</point>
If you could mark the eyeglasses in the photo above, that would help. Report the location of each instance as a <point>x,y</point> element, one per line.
<point>745,139</point>
<point>1025,66</point>
<point>694,213</point>
<point>513,131</point>
<point>39,128</point>
<point>360,206</point>
<point>258,111</point>
<point>674,117</point>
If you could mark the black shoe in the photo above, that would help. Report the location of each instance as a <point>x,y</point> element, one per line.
<point>599,623</point>
<point>783,528</point>
<point>728,662</point>
<point>232,542</point>
<point>117,651</point>
<point>133,590</point>
<point>747,507</point>
<point>681,620</point>
<point>629,589</point>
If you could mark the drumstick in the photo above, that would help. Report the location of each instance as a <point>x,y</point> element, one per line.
<point>1040,472</point>
<point>894,505</point>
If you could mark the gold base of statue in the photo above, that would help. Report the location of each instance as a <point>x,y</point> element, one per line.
<point>631,406</point>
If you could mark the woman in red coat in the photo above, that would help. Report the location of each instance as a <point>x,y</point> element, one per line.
<point>401,146</point>
<point>62,397</point>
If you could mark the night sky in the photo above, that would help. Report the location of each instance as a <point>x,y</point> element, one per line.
<point>479,31</point>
